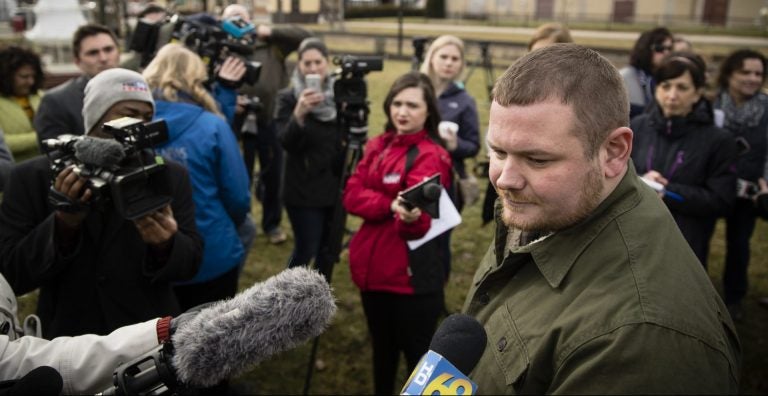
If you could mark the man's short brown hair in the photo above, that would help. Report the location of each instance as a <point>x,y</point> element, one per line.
<point>90,30</point>
<point>578,77</point>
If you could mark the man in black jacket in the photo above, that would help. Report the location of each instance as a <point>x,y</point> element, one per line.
<point>94,49</point>
<point>96,270</point>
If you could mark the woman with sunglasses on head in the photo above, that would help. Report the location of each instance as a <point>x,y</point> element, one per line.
<point>677,145</point>
<point>745,115</point>
<point>649,50</point>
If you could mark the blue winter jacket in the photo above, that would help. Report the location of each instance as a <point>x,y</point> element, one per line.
<point>206,146</point>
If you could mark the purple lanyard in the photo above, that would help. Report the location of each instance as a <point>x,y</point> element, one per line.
<point>678,157</point>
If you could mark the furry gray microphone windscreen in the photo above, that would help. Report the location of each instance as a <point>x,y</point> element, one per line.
<point>99,152</point>
<point>270,317</point>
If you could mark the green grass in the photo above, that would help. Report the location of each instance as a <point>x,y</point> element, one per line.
<point>345,348</point>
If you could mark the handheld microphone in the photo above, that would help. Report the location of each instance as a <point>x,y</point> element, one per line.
<point>227,337</point>
<point>455,349</point>
<point>104,153</point>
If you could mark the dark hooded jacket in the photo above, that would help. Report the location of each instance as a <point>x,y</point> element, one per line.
<point>698,160</point>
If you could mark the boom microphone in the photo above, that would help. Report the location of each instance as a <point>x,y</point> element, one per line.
<point>231,335</point>
<point>227,337</point>
<point>104,153</point>
<point>455,349</point>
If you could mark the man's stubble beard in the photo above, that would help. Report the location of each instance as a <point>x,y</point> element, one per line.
<point>550,221</point>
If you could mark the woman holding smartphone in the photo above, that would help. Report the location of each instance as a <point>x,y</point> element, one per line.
<point>305,116</point>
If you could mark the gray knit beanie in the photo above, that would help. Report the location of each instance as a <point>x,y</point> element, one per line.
<point>109,87</point>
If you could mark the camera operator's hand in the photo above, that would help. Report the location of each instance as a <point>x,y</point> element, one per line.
<point>71,185</point>
<point>232,70</point>
<point>307,101</point>
<point>406,215</point>
<point>157,228</point>
<point>657,177</point>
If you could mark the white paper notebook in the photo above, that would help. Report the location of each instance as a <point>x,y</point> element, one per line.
<point>449,218</point>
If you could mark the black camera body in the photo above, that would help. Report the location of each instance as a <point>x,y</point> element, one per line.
<point>118,170</point>
<point>214,44</point>
<point>211,40</point>
<point>351,92</point>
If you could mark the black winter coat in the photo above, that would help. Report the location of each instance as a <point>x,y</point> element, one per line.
<point>111,278</point>
<point>313,156</point>
<point>698,160</point>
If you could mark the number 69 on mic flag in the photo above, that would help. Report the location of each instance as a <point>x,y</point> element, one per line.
<point>435,375</point>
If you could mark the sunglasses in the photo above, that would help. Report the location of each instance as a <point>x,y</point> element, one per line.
<point>661,48</point>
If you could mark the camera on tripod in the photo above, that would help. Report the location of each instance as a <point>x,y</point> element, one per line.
<point>116,170</point>
<point>350,91</point>
<point>251,107</point>
<point>418,51</point>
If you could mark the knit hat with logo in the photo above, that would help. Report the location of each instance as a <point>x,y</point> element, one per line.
<point>110,87</point>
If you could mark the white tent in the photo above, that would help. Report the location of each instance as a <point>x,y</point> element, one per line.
<point>55,21</point>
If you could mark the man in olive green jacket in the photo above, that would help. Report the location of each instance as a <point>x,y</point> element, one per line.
<point>589,286</point>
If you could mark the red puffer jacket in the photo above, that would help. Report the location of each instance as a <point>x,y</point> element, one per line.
<point>378,255</point>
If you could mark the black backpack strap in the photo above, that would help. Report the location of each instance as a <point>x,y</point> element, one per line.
<point>410,157</point>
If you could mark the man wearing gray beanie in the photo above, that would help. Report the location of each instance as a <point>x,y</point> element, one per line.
<point>96,270</point>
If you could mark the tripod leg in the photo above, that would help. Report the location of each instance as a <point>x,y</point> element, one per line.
<point>311,365</point>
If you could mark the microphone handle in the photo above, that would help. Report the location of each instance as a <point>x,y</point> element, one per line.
<point>149,374</point>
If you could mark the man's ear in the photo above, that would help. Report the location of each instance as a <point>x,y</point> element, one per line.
<point>615,152</point>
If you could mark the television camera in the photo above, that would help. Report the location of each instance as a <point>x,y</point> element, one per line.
<point>213,41</point>
<point>118,170</point>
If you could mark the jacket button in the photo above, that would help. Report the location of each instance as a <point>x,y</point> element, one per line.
<point>501,344</point>
<point>484,298</point>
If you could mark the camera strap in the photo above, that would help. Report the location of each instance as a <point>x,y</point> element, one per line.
<point>62,202</point>
<point>410,157</point>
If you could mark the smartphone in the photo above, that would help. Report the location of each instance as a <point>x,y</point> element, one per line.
<point>313,82</point>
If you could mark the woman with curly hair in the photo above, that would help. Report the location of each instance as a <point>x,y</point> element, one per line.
<point>744,110</point>
<point>22,78</point>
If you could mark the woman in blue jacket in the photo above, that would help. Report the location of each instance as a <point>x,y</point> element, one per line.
<point>200,139</point>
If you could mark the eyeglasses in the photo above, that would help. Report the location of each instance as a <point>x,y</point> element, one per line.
<point>661,48</point>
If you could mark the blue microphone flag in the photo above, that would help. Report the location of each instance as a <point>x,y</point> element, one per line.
<point>435,375</point>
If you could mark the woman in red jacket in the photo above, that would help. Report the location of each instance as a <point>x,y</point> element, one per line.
<point>401,289</point>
